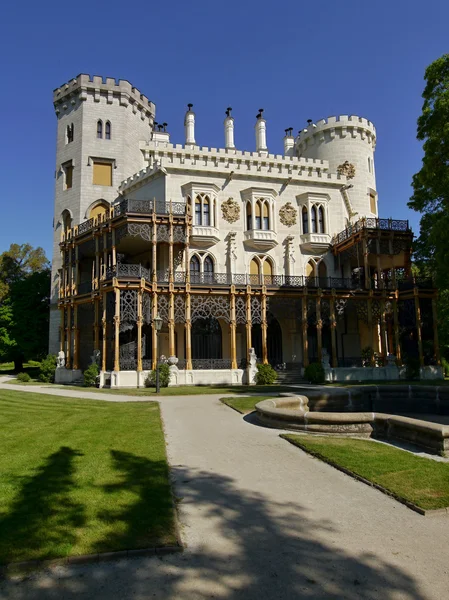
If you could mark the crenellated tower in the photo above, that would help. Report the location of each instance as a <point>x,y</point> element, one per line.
<point>100,124</point>
<point>348,144</point>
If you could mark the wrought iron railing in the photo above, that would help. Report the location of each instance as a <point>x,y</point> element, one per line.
<point>371,223</point>
<point>350,362</point>
<point>86,226</point>
<point>160,207</point>
<point>211,363</point>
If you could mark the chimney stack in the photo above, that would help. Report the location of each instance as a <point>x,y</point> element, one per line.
<point>261,133</point>
<point>189,126</point>
<point>289,142</point>
<point>229,129</point>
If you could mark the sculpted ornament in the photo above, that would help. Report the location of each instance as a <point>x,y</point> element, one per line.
<point>230,210</point>
<point>288,215</point>
<point>347,169</point>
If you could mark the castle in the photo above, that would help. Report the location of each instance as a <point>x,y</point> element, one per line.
<point>241,254</point>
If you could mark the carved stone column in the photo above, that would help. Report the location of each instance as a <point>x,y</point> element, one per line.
<point>233,331</point>
<point>139,324</point>
<point>248,322</point>
<point>333,321</point>
<point>319,328</point>
<point>76,338</point>
<point>435,332</point>
<point>188,333</point>
<point>305,341</point>
<point>104,324</point>
<point>264,327</point>
<point>171,325</point>
<point>418,326</point>
<point>117,330</point>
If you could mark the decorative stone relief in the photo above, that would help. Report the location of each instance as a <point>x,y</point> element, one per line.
<point>288,214</point>
<point>231,210</point>
<point>347,169</point>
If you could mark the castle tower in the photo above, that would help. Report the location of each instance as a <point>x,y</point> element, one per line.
<point>346,142</point>
<point>100,124</point>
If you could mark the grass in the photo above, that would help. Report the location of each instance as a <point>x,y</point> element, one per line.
<point>81,477</point>
<point>244,404</point>
<point>421,481</point>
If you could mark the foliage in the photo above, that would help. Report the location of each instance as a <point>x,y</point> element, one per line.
<point>90,375</point>
<point>24,304</point>
<point>164,376</point>
<point>265,375</point>
<point>445,365</point>
<point>47,369</point>
<point>412,367</point>
<point>83,481</point>
<point>367,356</point>
<point>23,377</point>
<point>314,373</point>
<point>419,480</point>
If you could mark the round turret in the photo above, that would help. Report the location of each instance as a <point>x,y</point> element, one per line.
<point>348,143</point>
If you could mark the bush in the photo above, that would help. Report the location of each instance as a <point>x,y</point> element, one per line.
<point>91,375</point>
<point>164,376</point>
<point>47,370</point>
<point>314,373</point>
<point>265,375</point>
<point>445,365</point>
<point>23,377</point>
<point>412,367</point>
<point>367,356</point>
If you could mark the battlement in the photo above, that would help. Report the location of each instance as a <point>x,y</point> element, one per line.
<point>108,87</point>
<point>341,125</point>
<point>229,163</point>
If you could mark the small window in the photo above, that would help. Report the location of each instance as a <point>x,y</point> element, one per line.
<point>369,164</point>
<point>266,218</point>
<point>195,269</point>
<point>258,219</point>
<point>254,267</point>
<point>305,220</point>
<point>107,130</point>
<point>249,224</point>
<point>372,204</point>
<point>100,129</point>
<point>102,173</point>
<point>69,133</point>
<point>321,220</point>
<point>198,211</point>
<point>314,220</point>
<point>206,212</point>
<point>68,175</point>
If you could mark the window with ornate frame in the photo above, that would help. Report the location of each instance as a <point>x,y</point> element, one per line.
<point>100,129</point>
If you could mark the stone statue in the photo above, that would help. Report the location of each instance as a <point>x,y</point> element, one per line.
<point>95,358</point>
<point>252,358</point>
<point>325,359</point>
<point>61,359</point>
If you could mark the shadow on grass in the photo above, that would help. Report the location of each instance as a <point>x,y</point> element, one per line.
<point>146,519</point>
<point>42,520</point>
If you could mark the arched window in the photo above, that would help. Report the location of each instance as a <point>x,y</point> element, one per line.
<point>206,212</point>
<point>321,228</point>
<point>99,129</point>
<point>208,269</point>
<point>254,267</point>
<point>305,220</point>
<point>198,211</point>
<point>322,273</point>
<point>100,209</point>
<point>314,220</point>
<point>267,271</point>
<point>310,269</point>
<point>107,130</point>
<point>249,224</point>
<point>258,219</point>
<point>266,217</point>
<point>69,134</point>
<point>194,269</point>
<point>66,221</point>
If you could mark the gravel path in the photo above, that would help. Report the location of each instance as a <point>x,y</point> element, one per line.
<point>263,520</point>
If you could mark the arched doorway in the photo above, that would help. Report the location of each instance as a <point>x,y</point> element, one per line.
<point>206,339</point>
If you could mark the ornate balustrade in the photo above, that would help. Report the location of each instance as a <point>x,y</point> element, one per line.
<point>211,363</point>
<point>148,207</point>
<point>372,223</point>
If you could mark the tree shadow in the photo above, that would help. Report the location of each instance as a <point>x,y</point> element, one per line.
<point>42,520</point>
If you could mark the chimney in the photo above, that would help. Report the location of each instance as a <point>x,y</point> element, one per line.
<point>189,126</point>
<point>289,142</point>
<point>229,129</point>
<point>261,133</point>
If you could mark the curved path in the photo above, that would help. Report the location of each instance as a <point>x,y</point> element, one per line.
<point>263,520</point>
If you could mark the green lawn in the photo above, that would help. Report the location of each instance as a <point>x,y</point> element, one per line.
<point>80,477</point>
<point>244,404</point>
<point>422,481</point>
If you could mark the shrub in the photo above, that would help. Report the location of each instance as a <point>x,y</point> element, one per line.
<point>91,375</point>
<point>314,373</point>
<point>367,356</point>
<point>164,376</point>
<point>412,367</point>
<point>445,365</point>
<point>265,375</point>
<point>23,377</point>
<point>47,370</point>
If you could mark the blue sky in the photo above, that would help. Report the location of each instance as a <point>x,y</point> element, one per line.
<point>296,59</point>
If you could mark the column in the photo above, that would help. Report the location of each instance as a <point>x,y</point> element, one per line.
<point>333,321</point>
<point>105,334</point>
<point>188,332</point>
<point>435,331</point>
<point>62,330</point>
<point>370,327</point>
<point>96,282</point>
<point>379,271</point>
<point>76,274</point>
<point>397,342</point>
<point>305,341</point>
<point>96,324</point>
<point>114,251</point>
<point>248,323</point>
<point>68,360</point>
<point>139,325</point>
<point>264,328</point>
<point>76,338</point>
<point>383,333</point>
<point>117,330</point>
<point>170,250</point>
<point>233,331</point>
<point>319,329</point>
<point>418,326</point>
<point>171,325</point>
<point>154,257</point>
<point>366,265</point>
<point>154,334</point>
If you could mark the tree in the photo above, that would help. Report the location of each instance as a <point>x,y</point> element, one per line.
<point>431,187</point>
<point>24,304</point>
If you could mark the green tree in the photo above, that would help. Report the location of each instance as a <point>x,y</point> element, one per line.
<point>431,187</point>
<point>24,304</point>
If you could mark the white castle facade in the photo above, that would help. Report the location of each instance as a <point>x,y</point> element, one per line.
<point>235,250</point>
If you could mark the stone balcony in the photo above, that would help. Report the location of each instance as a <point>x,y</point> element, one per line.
<point>205,236</point>
<point>315,242</point>
<point>260,239</point>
